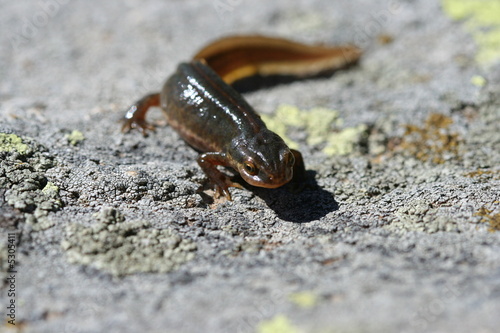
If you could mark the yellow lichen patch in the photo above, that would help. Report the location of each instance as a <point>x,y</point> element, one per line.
<point>50,188</point>
<point>432,142</point>
<point>322,126</point>
<point>304,299</point>
<point>75,137</point>
<point>319,123</point>
<point>285,117</point>
<point>478,81</point>
<point>489,42</point>
<point>279,324</point>
<point>345,141</point>
<point>483,22</point>
<point>11,142</point>
<point>487,216</point>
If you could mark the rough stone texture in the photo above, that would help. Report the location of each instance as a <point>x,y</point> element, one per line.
<point>120,247</point>
<point>399,233</point>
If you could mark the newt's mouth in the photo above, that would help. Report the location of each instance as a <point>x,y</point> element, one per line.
<point>271,181</point>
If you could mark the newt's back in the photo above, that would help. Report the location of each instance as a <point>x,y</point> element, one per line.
<point>205,110</point>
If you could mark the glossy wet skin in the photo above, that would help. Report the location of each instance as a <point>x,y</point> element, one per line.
<point>212,117</point>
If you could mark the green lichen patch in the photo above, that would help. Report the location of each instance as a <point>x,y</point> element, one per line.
<point>487,216</point>
<point>483,22</point>
<point>304,299</point>
<point>50,189</point>
<point>75,137</point>
<point>278,324</point>
<point>478,81</point>
<point>13,143</point>
<point>121,247</point>
<point>345,141</point>
<point>323,127</point>
<point>434,141</point>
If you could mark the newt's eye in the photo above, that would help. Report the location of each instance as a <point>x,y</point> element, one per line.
<point>250,168</point>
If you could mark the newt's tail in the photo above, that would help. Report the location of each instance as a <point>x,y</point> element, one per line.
<point>239,57</point>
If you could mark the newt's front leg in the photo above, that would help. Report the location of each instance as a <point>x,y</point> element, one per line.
<point>209,162</point>
<point>136,114</point>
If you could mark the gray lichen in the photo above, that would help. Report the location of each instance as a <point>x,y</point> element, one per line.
<point>23,164</point>
<point>120,247</point>
<point>418,215</point>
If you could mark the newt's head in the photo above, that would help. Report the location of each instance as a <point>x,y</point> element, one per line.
<point>265,160</point>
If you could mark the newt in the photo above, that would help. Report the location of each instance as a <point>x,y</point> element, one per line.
<point>201,105</point>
